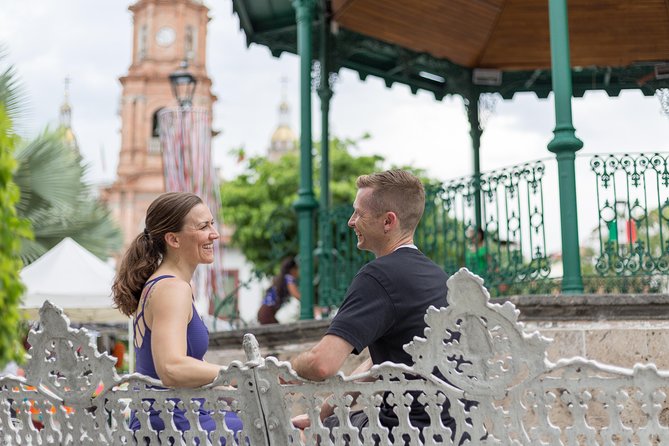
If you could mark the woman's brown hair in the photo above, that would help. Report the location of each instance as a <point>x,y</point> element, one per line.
<point>279,281</point>
<point>165,214</point>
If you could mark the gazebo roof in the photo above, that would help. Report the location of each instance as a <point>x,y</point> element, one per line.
<point>464,46</point>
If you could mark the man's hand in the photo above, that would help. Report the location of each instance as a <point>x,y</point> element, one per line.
<point>301,421</point>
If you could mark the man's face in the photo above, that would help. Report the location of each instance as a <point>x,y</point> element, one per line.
<point>367,225</point>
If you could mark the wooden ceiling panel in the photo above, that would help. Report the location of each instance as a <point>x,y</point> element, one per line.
<point>618,33</point>
<point>521,39</point>
<point>514,34</point>
<point>457,29</point>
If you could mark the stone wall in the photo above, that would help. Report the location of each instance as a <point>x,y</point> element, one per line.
<point>615,329</point>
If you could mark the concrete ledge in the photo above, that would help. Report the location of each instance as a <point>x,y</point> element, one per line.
<point>544,308</point>
<point>591,307</point>
<point>271,335</point>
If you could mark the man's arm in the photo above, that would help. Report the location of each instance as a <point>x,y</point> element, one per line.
<point>327,409</point>
<point>323,360</point>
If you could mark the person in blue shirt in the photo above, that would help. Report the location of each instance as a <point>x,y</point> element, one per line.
<point>284,285</point>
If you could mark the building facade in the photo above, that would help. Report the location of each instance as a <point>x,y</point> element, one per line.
<point>165,34</point>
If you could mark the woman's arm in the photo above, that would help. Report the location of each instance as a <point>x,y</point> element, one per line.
<point>170,312</point>
<point>293,289</point>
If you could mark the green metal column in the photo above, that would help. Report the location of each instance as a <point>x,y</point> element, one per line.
<point>325,94</point>
<point>475,132</point>
<point>565,144</point>
<point>306,203</point>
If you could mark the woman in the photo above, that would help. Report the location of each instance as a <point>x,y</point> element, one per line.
<point>283,287</point>
<point>153,286</point>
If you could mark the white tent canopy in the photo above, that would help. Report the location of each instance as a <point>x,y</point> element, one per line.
<point>74,279</point>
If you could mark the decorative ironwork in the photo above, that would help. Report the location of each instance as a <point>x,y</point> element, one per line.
<point>495,378</point>
<point>633,214</point>
<point>487,104</point>
<point>662,95</point>
<point>337,267</point>
<point>510,247</point>
<point>71,395</point>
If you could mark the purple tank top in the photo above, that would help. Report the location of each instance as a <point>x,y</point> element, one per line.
<point>197,336</point>
<point>197,340</point>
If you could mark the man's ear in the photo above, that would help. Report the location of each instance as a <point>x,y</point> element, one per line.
<point>390,221</point>
<point>172,239</point>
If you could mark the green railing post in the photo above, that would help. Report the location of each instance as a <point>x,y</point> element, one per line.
<point>565,144</point>
<point>475,132</point>
<point>325,94</point>
<point>306,203</point>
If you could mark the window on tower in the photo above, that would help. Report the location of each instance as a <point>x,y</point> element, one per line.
<point>154,140</point>
<point>141,42</point>
<point>190,43</point>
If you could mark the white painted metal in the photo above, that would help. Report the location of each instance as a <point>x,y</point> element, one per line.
<point>521,397</point>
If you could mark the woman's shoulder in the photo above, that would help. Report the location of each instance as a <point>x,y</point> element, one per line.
<point>167,284</point>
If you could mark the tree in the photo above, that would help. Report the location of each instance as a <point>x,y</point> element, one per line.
<point>12,227</point>
<point>56,200</point>
<point>41,185</point>
<point>259,202</point>
<point>12,230</point>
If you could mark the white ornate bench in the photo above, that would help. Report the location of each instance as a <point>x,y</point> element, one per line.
<point>523,399</point>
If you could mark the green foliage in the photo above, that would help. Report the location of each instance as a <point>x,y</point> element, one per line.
<point>12,230</point>
<point>259,202</point>
<point>57,202</point>
<point>41,186</point>
<point>11,96</point>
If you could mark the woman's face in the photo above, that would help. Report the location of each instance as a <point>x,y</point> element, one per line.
<point>198,235</point>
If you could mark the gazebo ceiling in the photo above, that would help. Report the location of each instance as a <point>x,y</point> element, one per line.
<point>470,46</point>
<point>514,35</point>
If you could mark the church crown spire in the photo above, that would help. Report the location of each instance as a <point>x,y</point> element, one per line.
<point>283,139</point>
<point>66,108</point>
<point>65,119</point>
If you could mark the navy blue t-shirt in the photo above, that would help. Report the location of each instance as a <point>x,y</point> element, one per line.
<point>385,308</point>
<point>385,304</point>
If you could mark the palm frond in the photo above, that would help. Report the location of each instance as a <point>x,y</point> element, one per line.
<point>49,174</point>
<point>98,233</point>
<point>89,223</point>
<point>11,90</point>
<point>31,250</point>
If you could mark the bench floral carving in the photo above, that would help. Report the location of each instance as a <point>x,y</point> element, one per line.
<point>480,347</point>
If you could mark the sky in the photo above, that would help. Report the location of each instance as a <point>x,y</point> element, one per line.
<point>89,41</point>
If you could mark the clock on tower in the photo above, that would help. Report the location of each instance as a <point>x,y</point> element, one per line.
<point>165,36</point>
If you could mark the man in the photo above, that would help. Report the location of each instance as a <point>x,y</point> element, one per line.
<point>386,302</point>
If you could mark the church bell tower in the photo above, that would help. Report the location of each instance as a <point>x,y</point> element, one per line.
<point>166,33</point>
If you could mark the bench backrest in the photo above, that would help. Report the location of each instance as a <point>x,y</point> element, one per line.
<point>501,388</point>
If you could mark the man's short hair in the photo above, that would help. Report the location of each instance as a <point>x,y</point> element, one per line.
<point>396,191</point>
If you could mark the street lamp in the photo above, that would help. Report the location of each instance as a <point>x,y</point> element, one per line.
<point>183,85</point>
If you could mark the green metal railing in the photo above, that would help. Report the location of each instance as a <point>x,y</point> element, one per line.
<point>510,246</point>
<point>633,211</point>
<point>337,266</point>
<point>627,251</point>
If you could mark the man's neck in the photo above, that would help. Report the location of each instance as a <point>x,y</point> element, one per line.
<point>392,246</point>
